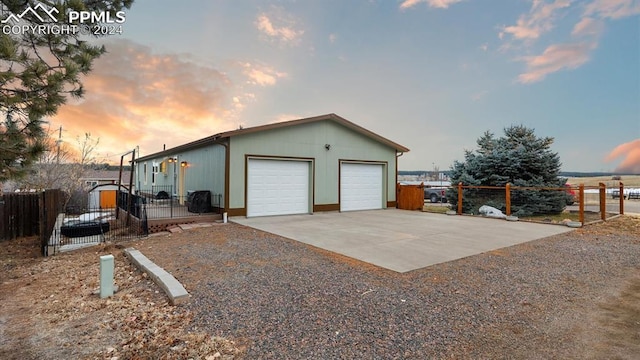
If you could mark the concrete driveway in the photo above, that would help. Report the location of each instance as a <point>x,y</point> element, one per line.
<point>402,240</point>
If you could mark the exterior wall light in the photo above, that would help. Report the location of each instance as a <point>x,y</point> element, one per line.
<point>172,159</point>
<point>183,164</point>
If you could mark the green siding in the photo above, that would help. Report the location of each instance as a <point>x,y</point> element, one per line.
<point>308,141</point>
<point>204,172</point>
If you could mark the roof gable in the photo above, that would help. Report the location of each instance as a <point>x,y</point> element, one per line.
<point>223,136</point>
<point>333,117</point>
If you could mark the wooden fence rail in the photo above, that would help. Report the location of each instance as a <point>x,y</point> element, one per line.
<point>579,197</point>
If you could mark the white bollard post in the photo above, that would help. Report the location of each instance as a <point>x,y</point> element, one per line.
<point>106,276</point>
<point>224,218</point>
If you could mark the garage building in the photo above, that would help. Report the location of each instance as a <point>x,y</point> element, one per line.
<point>322,163</point>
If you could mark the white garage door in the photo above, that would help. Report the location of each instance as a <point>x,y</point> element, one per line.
<point>360,186</point>
<point>277,187</point>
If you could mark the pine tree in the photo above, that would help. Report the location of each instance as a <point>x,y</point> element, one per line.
<point>519,158</point>
<point>38,70</point>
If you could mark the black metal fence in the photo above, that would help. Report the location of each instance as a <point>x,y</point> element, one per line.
<point>97,225</point>
<point>161,202</point>
<point>131,203</point>
<point>42,214</point>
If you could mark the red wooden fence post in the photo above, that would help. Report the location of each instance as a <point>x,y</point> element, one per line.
<point>603,201</point>
<point>398,197</point>
<point>508,198</point>
<point>581,202</point>
<point>459,198</point>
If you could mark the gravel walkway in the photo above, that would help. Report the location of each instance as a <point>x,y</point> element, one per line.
<point>280,299</point>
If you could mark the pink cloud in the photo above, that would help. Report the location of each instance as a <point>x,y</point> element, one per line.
<point>613,9</point>
<point>135,97</point>
<point>523,31</point>
<point>440,4</point>
<point>539,20</point>
<point>588,27</point>
<point>630,152</point>
<point>555,58</point>
<point>262,75</point>
<point>279,26</point>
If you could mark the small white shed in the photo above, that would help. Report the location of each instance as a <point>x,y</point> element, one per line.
<point>104,196</point>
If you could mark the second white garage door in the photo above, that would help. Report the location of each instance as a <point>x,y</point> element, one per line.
<point>360,186</point>
<point>277,187</point>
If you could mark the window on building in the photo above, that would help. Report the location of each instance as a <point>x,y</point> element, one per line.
<point>154,172</point>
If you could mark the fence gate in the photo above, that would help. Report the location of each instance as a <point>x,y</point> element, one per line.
<point>410,197</point>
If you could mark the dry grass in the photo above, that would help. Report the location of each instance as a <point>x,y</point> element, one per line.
<point>559,218</point>
<point>436,209</point>
<point>627,180</point>
<point>612,328</point>
<point>619,322</point>
<point>49,303</point>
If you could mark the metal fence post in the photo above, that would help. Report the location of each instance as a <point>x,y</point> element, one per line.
<point>603,200</point>
<point>621,198</point>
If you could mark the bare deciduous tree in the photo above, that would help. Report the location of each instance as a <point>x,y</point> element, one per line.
<point>62,166</point>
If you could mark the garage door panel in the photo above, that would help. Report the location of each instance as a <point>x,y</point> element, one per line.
<point>360,186</point>
<point>277,187</point>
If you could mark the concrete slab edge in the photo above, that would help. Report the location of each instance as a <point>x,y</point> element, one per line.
<point>175,291</point>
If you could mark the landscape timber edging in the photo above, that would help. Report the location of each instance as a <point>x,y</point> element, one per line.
<point>175,291</point>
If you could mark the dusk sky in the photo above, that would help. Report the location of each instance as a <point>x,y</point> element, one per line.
<point>432,75</point>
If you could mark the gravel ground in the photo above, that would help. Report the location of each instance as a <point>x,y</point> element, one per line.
<point>49,310</point>
<point>277,298</point>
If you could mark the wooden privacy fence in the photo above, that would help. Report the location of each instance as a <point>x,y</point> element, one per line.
<point>410,197</point>
<point>51,204</point>
<point>30,214</point>
<point>19,215</point>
